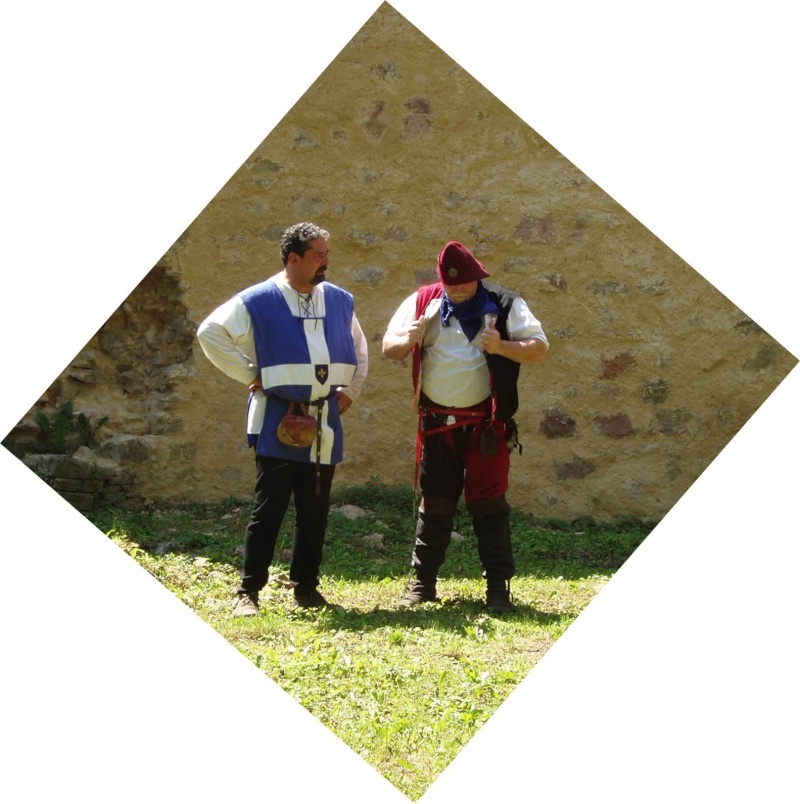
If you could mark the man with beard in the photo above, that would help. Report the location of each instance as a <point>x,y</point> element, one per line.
<point>295,341</point>
<point>468,338</point>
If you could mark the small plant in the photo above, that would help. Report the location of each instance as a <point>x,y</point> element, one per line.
<point>63,431</point>
<point>53,430</point>
<point>86,430</point>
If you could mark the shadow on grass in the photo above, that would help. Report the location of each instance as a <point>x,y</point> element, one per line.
<point>377,543</point>
<point>450,615</point>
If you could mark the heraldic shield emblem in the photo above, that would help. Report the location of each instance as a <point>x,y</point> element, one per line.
<point>321,373</point>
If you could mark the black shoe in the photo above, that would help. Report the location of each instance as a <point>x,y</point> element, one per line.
<point>312,599</point>
<point>418,592</point>
<point>498,596</point>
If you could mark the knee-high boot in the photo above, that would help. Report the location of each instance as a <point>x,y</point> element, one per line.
<point>493,532</point>
<point>431,540</point>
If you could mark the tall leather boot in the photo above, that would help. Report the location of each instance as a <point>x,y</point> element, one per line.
<point>431,540</point>
<point>498,595</point>
<point>495,552</point>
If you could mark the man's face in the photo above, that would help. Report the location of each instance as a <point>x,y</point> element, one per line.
<point>458,294</point>
<point>309,270</point>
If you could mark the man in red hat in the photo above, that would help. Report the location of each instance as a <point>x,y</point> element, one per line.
<point>467,338</point>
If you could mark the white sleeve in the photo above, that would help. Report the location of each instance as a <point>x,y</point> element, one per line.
<point>404,315</point>
<point>226,338</point>
<point>362,360</point>
<point>523,324</point>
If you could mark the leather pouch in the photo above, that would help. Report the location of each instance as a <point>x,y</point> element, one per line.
<point>297,430</point>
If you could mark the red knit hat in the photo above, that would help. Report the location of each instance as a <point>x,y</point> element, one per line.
<point>457,266</point>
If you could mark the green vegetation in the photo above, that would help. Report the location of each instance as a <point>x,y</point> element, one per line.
<point>406,689</point>
<point>63,431</point>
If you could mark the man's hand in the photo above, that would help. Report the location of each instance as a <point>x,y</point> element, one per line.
<point>416,331</point>
<point>491,342</point>
<point>530,350</point>
<point>344,401</point>
<point>398,345</point>
<point>256,384</point>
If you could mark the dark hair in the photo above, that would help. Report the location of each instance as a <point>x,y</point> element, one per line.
<point>296,239</point>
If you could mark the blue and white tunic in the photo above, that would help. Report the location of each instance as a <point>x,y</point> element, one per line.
<point>303,349</point>
<point>300,359</point>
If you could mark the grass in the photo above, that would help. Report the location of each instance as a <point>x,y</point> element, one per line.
<point>406,689</point>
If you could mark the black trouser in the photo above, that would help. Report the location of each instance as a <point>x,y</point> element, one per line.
<point>442,474</point>
<point>432,538</point>
<point>276,481</point>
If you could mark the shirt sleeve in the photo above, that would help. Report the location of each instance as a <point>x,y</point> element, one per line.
<point>226,338</point>
<point>404,315</point>
<point>523,324</point>
<point>353,390</point>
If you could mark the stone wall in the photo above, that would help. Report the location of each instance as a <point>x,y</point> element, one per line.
<point>395,150</point>
<point>86,480</point>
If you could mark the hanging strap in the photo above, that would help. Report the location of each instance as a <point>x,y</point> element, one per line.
<point>319,403</point>
<point>461,417</point>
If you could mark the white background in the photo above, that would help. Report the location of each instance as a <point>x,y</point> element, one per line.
<point>679,682</point>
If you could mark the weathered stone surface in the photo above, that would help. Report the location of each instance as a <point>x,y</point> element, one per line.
<point>617,425</point>
<point>395,150</point>
<point>86,480</point>
<point>374,122</point>
<point>614,366</point>
<point>554,282</point>
<point>655,392</point>
<point>64,466</point>
<point>766,356</point>
<point>96,465</point>
<point>673,422</point>
<point>537,230</point>
<point>129,449</point>
<point>556,424</point>
<point>350,511</point>
<point>418,123</point>
<point>81,501</point>
<point>67,484</point>
<point>371,274</point>
<point>574,469</point>
<point>612,286</point>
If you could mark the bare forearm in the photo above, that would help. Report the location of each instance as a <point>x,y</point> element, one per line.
<point>396,346</point>
<point>532,350</point>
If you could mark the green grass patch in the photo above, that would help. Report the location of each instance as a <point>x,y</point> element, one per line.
<point>406,689</point>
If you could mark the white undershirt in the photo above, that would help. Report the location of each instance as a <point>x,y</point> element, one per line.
<point>454,370</point>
